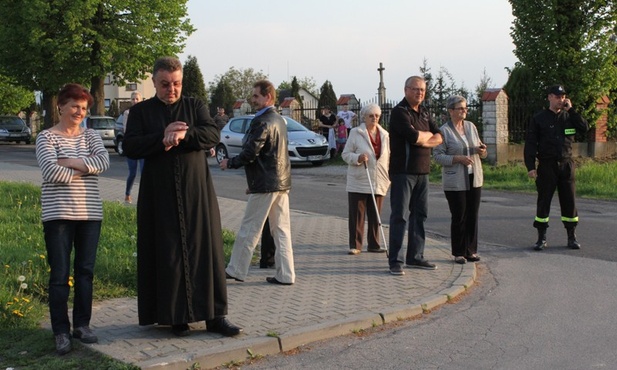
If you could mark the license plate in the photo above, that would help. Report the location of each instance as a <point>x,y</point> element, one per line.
<point>315,157</point>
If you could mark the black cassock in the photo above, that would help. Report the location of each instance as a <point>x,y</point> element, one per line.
<point>180,261</point>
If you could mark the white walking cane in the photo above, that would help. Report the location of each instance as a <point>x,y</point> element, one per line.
<point>383,235</point>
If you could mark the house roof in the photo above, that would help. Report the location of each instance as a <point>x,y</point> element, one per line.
<point>345,99</point>
<point>287,102</point>
<point>238,103</point>
<point>490,94</point>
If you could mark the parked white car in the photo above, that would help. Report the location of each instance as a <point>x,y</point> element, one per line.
<point>304,145</point>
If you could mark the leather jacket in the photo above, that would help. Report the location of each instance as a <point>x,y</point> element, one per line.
<point>264,154</point>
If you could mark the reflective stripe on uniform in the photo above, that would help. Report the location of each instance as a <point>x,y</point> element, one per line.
<point>543,220</point>
<point>570,131</point>
<point>569,219</point>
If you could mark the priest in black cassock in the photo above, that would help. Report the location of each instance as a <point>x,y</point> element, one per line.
<point>180,261</point>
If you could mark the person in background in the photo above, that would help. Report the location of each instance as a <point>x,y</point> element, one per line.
<point>327,120</point>
<point>368,147</point>
<point>341,136</point>
<point>265,159</point>
<point>71,158</point>
<point>180,258</point>
<point>412,135</point>
<point>132,163</point>
<point>462,178</point>
<point>221,118</point>
<point>347,116</point>
<point>549,140</point>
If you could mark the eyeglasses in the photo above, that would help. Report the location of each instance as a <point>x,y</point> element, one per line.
<point>461,109</point>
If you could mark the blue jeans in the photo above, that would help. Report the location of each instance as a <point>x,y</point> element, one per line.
<point>132,163</point>
<point>60,238</point>
<point>408,197</point>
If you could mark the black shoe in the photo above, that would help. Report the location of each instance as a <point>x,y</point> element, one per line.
<point>266,265</point>
<point>425,265</point>
<point>573,243</point>
<point>472,258</point>
<point>273,280</point>
<point>181,330</point>
<point>227,276</point>
<point>63,344</point>
<point>223,326</point>
<point>85,334</point>
<point>540,245</point>
<point>376,250</point>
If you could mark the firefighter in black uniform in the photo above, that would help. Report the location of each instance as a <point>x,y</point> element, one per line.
<point>549,139</point>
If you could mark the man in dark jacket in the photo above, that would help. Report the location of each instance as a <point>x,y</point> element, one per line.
<point>180,259</point>
<point>549,139</point>
<point>265,159</point>
<point>412,135</point>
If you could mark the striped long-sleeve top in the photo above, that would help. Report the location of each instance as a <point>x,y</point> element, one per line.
<point>63,196</point>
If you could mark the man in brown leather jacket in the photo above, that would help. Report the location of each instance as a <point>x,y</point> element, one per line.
<point>265,159</point>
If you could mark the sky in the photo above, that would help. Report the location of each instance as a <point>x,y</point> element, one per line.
<point>344,41</point>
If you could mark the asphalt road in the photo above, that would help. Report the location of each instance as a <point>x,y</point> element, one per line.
<point>528,310</point>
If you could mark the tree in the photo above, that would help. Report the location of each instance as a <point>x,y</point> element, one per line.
<point>61,41</point>
<point>568,42</point>
<point>240,81</point>
<point>222,96</point>
<point>193,81</point>
<point>13,98</point>
<point>327,97</point>
<point>485,83</point>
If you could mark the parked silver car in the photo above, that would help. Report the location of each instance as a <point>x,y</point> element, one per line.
<point>303,145</point>
<point>104,126</point>
<point>13,128</point>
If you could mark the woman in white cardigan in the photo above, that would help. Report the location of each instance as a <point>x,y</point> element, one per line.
<point>462,178</point>
<point>368,144</point>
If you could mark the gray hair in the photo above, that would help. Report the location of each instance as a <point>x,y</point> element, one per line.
<point>414,78</point>
<point>454,100</point>
<point>368,109</point>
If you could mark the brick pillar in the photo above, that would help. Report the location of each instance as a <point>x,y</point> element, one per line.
<point>495,123</point>
<point>599,147</point>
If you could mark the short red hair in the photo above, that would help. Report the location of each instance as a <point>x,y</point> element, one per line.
<point>75,92</point>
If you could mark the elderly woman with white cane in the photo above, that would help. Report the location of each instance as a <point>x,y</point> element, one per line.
<point>368,154</point>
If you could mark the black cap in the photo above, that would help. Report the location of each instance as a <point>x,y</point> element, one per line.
<point>556,90</point>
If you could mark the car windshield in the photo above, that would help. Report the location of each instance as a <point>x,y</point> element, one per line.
<point>101,123</point>
<point>11,122</point>
<point>293,125</point>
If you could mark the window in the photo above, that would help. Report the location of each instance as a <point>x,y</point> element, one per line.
<point>107,103</point>
<point>131,87</point>
<point>108,80</point>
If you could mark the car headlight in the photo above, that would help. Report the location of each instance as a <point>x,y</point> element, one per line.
<point>4,131</point>
<point>324,141</point>
<point>295,143</point>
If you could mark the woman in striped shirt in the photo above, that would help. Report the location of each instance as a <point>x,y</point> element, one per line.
<point>70,158</point>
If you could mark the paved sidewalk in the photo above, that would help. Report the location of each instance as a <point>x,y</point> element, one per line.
<point>334,294</point>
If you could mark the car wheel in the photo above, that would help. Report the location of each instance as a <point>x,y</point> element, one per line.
<point>317,163</point>
<point>221,153</point>
<point>119,146</point>
<point>27,142</point>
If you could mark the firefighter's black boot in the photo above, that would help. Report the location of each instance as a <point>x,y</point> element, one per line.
<point>572,242</point>
<point>541,243</point>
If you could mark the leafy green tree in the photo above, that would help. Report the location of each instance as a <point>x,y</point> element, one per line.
<point>327,97</point>
<point>13,98</point>
<point>222,96</point>
<point>56,42</point>
<point>523,101</point>
<point>239,80</point>
<point>193,81</point>
<point>569,42</point>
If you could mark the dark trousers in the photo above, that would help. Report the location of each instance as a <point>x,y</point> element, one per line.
<point>464,206</point>
<point>561,176</point>
<point>267,247</point>
<point>132,164</point>
<point>409,208</point>
<point>359,205</point>
<point>61,236</point>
